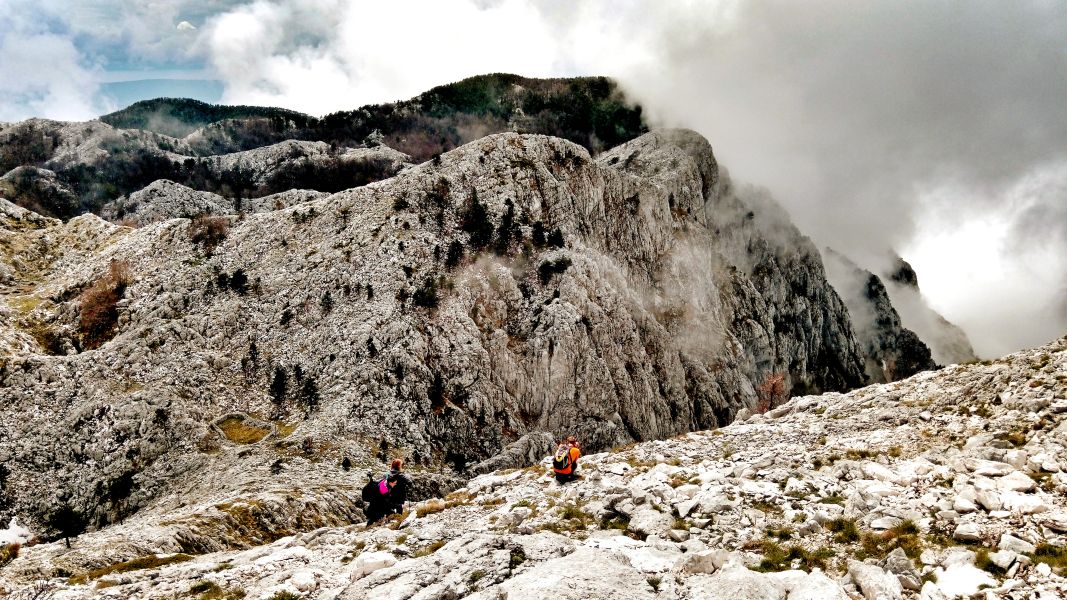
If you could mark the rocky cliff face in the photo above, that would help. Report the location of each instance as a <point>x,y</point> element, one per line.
<point>891,351</point>
<point>949,484</point>
<point>514,286</point>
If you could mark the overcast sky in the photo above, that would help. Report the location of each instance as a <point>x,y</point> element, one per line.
<point>934,129</point>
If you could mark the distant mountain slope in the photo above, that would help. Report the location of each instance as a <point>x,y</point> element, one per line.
<point>99,161</point>
<point>127,93</point>
<point>892,351</point>
<point>178,117</point>
<point>947,341</point>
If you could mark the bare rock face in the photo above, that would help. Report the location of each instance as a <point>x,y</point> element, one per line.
<point>778,505</point>
<point>38,188</point>
<point>164,199</point>
<point>891,351</point>
<point>513,286</point>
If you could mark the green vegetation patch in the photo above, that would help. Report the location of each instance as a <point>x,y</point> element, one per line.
<point>844,530</point>
<point>779,558</point>
<point>1053,556</point>
<point>8,553</point>
<point>904,536</point>
<point>137,564</point>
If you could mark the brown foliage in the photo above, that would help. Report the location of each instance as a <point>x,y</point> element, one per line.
<point>208,232</point>
<point>8,553</point>
<point>99,304</point>
<point>771,392</point>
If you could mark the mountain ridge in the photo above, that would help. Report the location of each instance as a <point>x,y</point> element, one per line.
<point>626,319</point>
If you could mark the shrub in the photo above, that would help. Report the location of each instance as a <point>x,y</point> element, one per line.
<point>983,562</point>
<point>455,254</point>
<point>517,557</point>
<point>239,282</point>
<point>844,530</point>
<point>436,393</point>
<point>426,296</point>
<point>904,536</point>
<point>278,386</point>
<point>771,392</point>
<point>506,231</point>
<point>309,395</point>
<point>8,553</point>
<point>555,239</point>
<point>1053,556</point>
<point>208,232</point>
<point>777,558</point>
<point>99,304</point>
<point>548,268</point>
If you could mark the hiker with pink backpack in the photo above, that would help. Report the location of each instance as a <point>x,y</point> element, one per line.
<point>388,495</point>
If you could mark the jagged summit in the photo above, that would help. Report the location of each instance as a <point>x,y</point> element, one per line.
<point>891,350</point>
<point>514,287</point>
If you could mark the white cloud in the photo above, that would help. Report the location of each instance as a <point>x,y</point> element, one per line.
<point>43,74</point>
<point>862,119</point>
<point>325,55</point>
<point>998,272</point>
<point>185,26</point>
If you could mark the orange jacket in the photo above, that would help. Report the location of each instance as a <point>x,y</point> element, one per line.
<point>575,455</point>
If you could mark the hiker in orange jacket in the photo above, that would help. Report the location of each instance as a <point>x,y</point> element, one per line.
<point>565,461</point>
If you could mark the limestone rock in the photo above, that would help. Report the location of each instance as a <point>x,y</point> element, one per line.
<point>875,583</point>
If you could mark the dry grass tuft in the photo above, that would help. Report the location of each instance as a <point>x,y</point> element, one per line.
<point>241,431</point>
<point>137,564</point>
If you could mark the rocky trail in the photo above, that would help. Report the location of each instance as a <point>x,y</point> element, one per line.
<point>947,484</point>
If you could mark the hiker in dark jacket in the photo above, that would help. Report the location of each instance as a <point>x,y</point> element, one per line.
<point>399,486</point>
<point>375,494</point>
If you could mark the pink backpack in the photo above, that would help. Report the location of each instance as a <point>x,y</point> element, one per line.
<point>383,487</point>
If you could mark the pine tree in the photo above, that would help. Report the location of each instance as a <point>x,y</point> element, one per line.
<point>326,302</point>
<point>505,231</point>
<point>67,521</point>
<point>278,385</point>
<point>476,222</point>
<point>539,235</point>
<point>309,395</point>
<point>455,254</point>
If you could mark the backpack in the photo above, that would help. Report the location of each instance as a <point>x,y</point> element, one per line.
<point>562,460</point>
<point>383,487</point>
